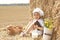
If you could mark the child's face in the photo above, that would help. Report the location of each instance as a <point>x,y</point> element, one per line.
<point>36,15</point>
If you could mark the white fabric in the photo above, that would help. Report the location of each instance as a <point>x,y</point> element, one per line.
<point>39,11</point>
<point>35,33</point>
<point>41,22</point>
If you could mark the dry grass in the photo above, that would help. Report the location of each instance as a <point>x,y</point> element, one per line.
<point>4,36</point>
<point>15,15</point>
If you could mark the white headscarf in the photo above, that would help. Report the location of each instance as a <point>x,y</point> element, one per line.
<point>39,11</point>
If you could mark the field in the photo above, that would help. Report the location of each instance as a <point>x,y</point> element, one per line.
<point>14,15</point>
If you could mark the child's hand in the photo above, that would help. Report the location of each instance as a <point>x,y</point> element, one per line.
<point>35,26</point>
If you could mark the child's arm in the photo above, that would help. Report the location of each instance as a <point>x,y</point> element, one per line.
<point>40,28</point>
<point>30,26</point>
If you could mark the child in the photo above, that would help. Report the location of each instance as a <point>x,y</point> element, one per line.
<point>36,25</point>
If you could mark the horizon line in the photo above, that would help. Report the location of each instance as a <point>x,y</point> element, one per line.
<point>14,4</point>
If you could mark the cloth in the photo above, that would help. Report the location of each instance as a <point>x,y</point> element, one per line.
<point>38,32</point>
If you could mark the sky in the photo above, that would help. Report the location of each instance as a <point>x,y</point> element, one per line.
<point>14,1</point>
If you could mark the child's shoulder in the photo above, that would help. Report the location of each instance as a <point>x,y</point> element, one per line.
<point>41,20</point>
